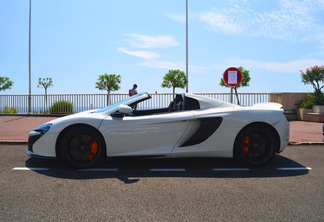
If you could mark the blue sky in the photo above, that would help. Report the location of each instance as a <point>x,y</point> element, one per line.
<point>75,41</point>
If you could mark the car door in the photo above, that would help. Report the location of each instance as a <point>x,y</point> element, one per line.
<point>150,135</point>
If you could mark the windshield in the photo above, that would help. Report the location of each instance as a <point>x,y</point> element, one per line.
<point>127,101</point>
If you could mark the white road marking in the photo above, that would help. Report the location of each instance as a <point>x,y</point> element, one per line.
<point>230,169</point>
<point>168,170</point>
<point>160,169</point>
<point>294,168</point>
<point>31,168</point>
<point>99,170</point>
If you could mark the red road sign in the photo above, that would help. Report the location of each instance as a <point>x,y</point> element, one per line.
<point>232,77</point>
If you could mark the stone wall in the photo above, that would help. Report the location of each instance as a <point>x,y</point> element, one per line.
<point>289,100</point>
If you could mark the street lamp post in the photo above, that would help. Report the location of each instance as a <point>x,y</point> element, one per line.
<point>29,59</point>
<point>187,46</point>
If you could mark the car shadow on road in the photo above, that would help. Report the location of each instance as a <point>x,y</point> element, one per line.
<point>132,170</point>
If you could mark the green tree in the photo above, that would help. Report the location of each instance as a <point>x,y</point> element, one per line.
<point>244,83</point>
<point>108,82</point>
<point>5,83</point>
<point>315,77</point>
<point>174,79</point>
<point>45,83</point>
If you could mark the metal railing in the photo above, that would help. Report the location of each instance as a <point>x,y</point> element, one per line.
<point>82,102</point>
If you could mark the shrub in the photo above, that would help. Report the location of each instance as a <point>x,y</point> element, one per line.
<point>319,99</point>
<point>311,100</point>
<point>61,107</point>
<point>8,110</point>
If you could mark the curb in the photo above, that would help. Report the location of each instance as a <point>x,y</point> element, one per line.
<point>33,115</point>
<point>304,143</point>
<point>13,142</point>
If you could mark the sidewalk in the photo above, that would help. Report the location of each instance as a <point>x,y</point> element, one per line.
<point>15,128</point>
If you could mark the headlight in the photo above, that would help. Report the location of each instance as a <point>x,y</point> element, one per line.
<point>43,128</point>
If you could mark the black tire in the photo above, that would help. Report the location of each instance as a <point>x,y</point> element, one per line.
<point>255,145</point>
<point>82,147</point>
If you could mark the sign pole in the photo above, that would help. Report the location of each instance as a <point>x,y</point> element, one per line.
<point>231,94</point>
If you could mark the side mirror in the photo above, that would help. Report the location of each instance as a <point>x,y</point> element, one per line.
<point>125,109</point>
<point>122,111</point>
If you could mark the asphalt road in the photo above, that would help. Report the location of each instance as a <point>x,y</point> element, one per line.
<point>291,188</point>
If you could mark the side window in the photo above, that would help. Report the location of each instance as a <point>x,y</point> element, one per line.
<point>143,108</point>
<point>191,104</point>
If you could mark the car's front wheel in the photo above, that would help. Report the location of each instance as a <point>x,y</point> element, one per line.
<point>255,145</point>
<point>82,147</point>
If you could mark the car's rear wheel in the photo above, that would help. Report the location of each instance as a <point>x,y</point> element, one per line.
<point>82,147</point>
<point>255,145</point>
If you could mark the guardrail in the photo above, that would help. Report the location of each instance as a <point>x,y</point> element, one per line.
<point>82,102</point>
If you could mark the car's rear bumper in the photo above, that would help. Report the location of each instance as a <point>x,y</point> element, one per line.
<point>283,130</point>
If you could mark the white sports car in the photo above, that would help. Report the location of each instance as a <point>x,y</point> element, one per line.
<point>192,126</point>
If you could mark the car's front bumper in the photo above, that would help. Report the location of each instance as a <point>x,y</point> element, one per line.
<point>33,155</point>
<point>41,142</point>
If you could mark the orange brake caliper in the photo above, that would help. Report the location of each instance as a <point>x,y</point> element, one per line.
<point>94,150</point>
<point>246,145</point>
